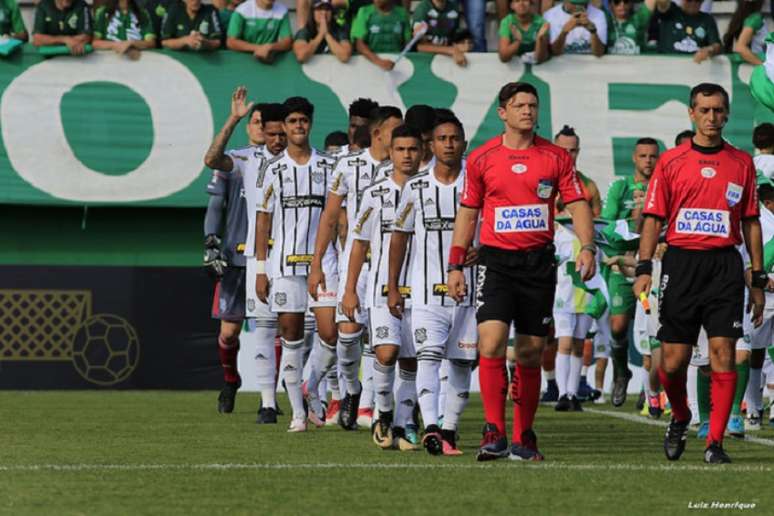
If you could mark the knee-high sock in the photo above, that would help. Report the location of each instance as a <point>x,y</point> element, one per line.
<point>754,395</point>
<point>692,389</point>
<point>443,375</point>
<point>292,366</point>
<point>333,382</point>
<point>722,395</point>
<point>646,382</point>
<point>742,374</point>
<point>526,395</point>
<point>367,372</point>
<point>405,397</point>
<point>384,382</point>
<point>321,361</point>
<point>573,379</point>
<point>348,348</point>
<point>703,395</point>
<point>620,355</point>
<point>458,392</point>
<point>562,370</point>
<point>428,388</point>
<point>494,387</point>
<point>675,388</point>
<point>265,365</point>
<point>228,348</point>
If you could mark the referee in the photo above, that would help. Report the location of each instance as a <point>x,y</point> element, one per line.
<point>513,180</point>
<point>703,191</point>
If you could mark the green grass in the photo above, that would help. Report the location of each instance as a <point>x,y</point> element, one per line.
<point>595,464</point>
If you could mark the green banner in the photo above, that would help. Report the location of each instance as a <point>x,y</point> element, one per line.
<point>104,130</point>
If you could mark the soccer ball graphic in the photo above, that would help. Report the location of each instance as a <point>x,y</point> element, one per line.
<point>105,349</point>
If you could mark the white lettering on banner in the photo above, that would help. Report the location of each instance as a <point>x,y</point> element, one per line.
<point>696,221</point>
<point>182,127</point>
<point>527,217</point>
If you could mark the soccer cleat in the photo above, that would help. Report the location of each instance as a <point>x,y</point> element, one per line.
<point>348,412</point>
<point>674,440</point>
<point>266,416</point>
<point>364,417</point>
<point>401,442</point>
<point>551,394</point>
<point>600,400</point>
<point>703,430</point>
<point>595,395</point>
<point>735,427</point>
<point>771,422</point>
<point>620,384</point>
<point>278,409</point>
<point>644,410</point>
<point>493,446</point>
<point>654,407</point>
<point>585,392</point>
<point>316,420</point>
<point>431,441</point>
<point>227,397</point>
<point>527,450</point>
<point>381,431</point>
<point>753,422</point>
<point>412,433</point>
<point>714,454</point>
<point>575,404</point>
<point>640,405</point>
<point>449,443</point>
<point>297,425</point>
<point>315,410</point>
<point>564,404</point>
<point>332,415</point>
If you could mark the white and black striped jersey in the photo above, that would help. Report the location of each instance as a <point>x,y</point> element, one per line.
<point>295,196</point>
<point>353,174</point>
<point>428,209</point>
<point>252,166</point>
<point>374,224</point>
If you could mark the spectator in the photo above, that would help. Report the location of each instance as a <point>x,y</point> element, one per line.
<point>577,28</point>
<point>322,35</point>
<point>225,9</point>
<point>684,136</point>
<point>191,25</point>
<point>63,22</point>
<point>475,19</point>
<point>381,27</point>
<point>335,141</point>
<point>157,10</point>
<point>124,27</point>
<point>627,27</point>
<point>463,40</point>
<point>440,21</point>
<point>11,22</point>
<point>686,30</point>
<point>747,31</point>
<point>261,27</point>
<point>340,11</point>
<point>523,33</point>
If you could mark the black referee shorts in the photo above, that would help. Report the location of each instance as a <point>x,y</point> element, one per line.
<point>701,288</point>
<point>518,287</point>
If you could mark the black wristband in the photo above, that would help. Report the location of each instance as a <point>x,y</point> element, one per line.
<point>760,279</point>
<point>644,267</point>
<point>453,267</point>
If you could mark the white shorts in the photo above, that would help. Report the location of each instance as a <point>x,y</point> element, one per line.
<point>762,337</point>
<point>640,330</point>
<point>571,325</point>
<point>361,316</point>
<point>387,329</point>
<point>254,307</point>
<point>602,336</point>
<point>447,331</point>
<point>768,369</point>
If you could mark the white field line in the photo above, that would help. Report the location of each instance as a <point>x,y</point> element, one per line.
<point>645,421</point>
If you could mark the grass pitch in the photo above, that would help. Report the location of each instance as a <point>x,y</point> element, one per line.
<point>171,453</point>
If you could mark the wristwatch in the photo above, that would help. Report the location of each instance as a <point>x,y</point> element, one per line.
<point>760,279</point>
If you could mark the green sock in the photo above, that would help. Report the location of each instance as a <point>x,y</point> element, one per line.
<point>703,396</point>
<point>742,375</point>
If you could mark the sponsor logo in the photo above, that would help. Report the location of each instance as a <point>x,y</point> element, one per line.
<point>418,185</point>
<point>420,336</point>
<point>380,192</point>
<point>357,162</point>
<point>303,201</point>
<point>466,345</point>
<point>733,194</point>
<point>280,299</point>
<point>439,224</point>
<point>708,172</point>
<point>546,320</point>
<point>299,259</point>
<point>402,290</point>
<point>515,219</point>
<point>697,221</point>
<point>382,332</point>
<point>737,324</point>
<point>519,168</point>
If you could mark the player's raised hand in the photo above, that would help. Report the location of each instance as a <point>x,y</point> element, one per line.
<point>350,304</point>
<point>395,303</point>
<point>262,288</point>
<point>315,282</point>
<point>456,285</point>
<point>239,105</point>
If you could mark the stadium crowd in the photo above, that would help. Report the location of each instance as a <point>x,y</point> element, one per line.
<point>528,30</point>
<point>384,269</point>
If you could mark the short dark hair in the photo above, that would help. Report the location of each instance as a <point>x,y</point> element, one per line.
<point>362,137</point>
<point>707,89</point>
<point>512,88</point>
<point>447,116</point>
<point>688,133</point>
<point>299,105</point>
<point>766,192</point>
<point>647,141</point>
<point>273,113</point>
<point>362,107</point>
<point>337,138</point>
<point>256,107</point>
<point>406,131</point>
<point>763,136</point>
<point>421,117</point>
<point>382,113</point>
<point>461,35</point>
<point>566,130</point>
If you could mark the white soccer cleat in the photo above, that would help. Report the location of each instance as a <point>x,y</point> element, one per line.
<point>297,425</point>
<point>365,417</point>
<point>600,401</point>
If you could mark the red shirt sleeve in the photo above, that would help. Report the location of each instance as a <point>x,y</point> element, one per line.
<point>570,187</point>
<point>750,208</point>
<point>473,190</point>
<point>658,194</point>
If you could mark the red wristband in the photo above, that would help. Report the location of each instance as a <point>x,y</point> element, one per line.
<point>457,255</point>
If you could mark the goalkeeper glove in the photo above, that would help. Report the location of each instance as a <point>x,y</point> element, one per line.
<point>213,257</point>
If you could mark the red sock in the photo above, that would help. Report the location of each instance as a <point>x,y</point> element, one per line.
<point>227,350</point>
<point>493,378</point>
<point>675,388</point>
<point>526,395</point>
<point>722,389</point>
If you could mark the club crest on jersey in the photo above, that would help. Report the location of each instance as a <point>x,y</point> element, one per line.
<point>733,194</point>
<point>708,172</point>
<point>318,176</point>
<point>545,188</point>
<point>519,168</point>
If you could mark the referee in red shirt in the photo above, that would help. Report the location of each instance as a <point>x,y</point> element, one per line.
<point>513,180</point>
<point>704,191</point>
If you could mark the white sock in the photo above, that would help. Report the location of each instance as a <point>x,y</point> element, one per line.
<point>584,370</point>
<point>458,387</point>
<point>322,360</point>
<point>753,395</point>
<point>348,348</point>
<point>693,399</point>
<point>573,378</point>
<point>333,382</point>
<point>292,368</point>
<point>265,365</point>
<point>428,388</point>
<point>384,382</point>
<point>562,370</point>
<point>443,375</point>
<point>405,397</point>
<point>646,382</point>
<point>367,373</point>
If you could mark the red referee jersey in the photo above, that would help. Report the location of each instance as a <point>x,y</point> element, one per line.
<point>703,194</point>
<point>516,190</point>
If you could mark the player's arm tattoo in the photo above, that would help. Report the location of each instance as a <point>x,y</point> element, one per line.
<point>216,158</point>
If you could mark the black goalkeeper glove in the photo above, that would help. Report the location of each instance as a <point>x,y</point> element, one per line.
<point>213,257</point>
